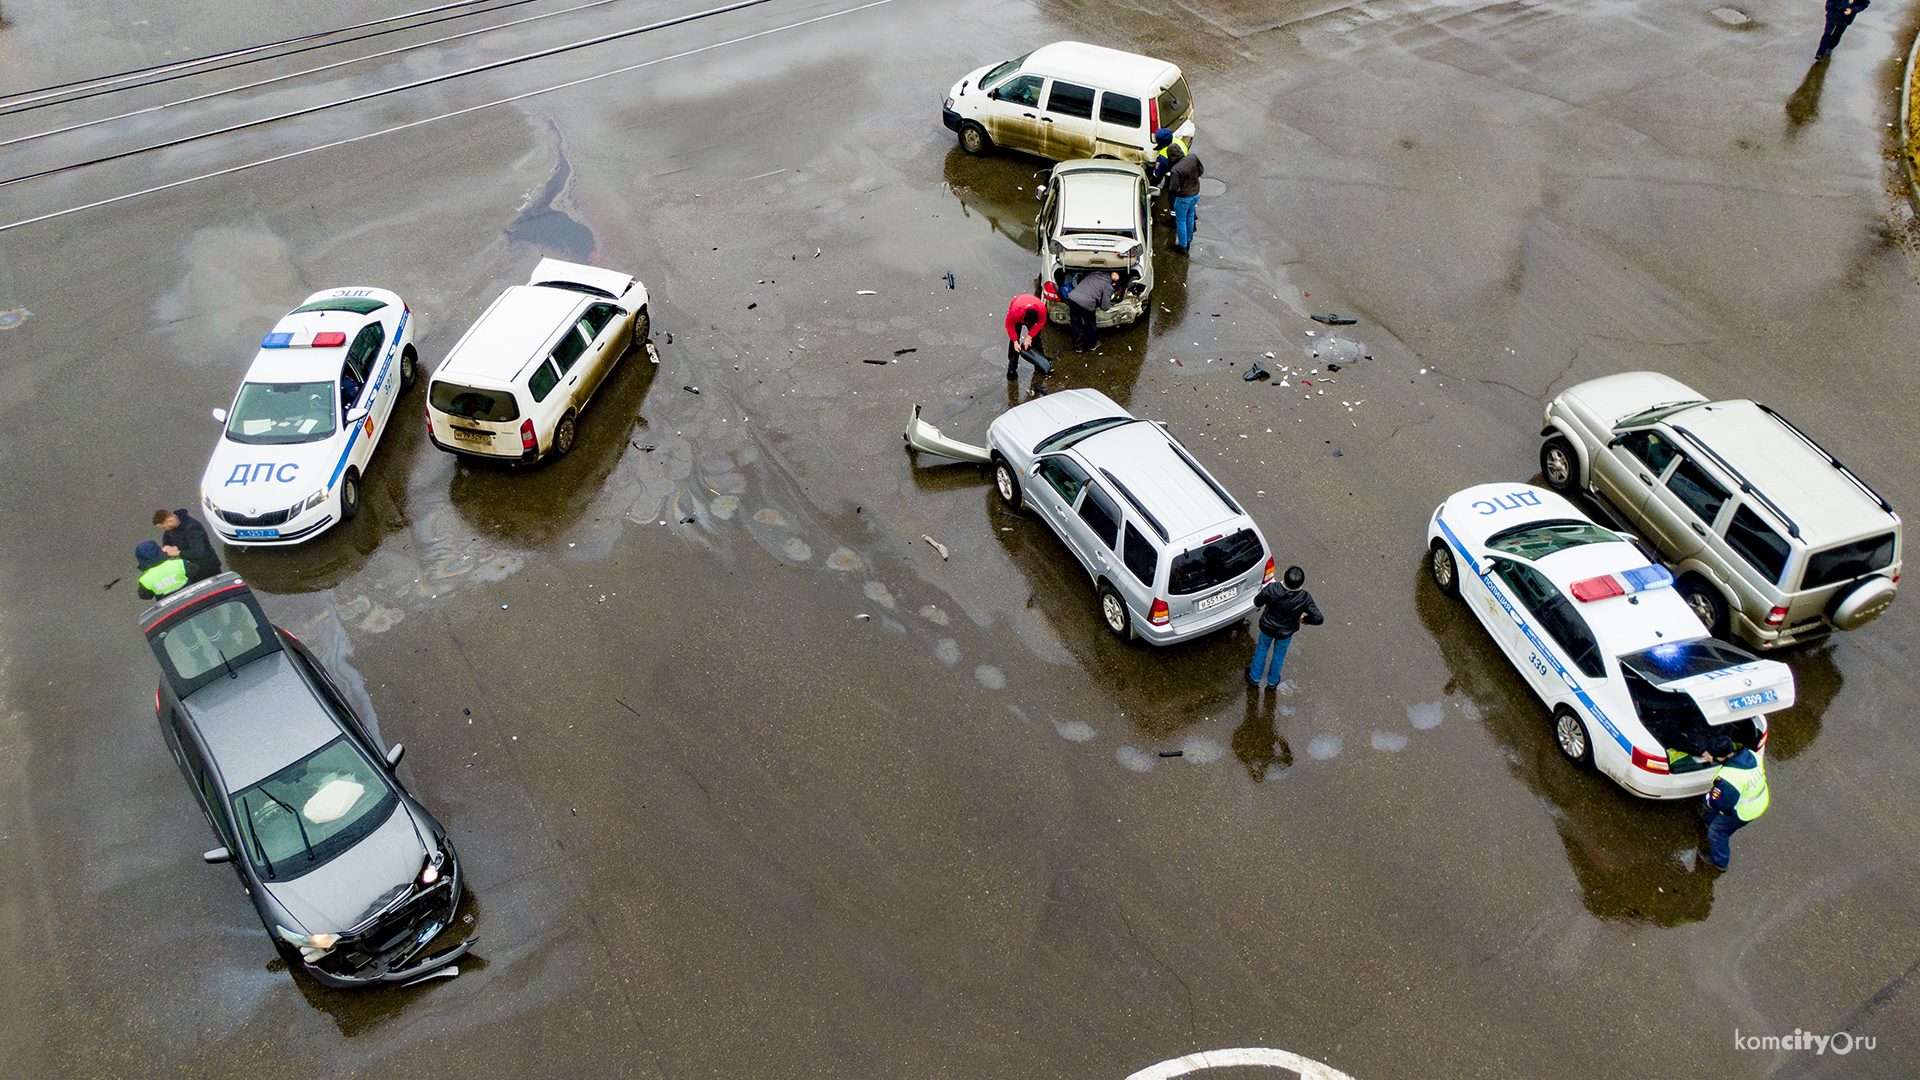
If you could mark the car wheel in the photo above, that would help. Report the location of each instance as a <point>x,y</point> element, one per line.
<point>642,326</point>
<point>409,369</point>
<point>1559,466</point>
<point>563,433</point>
<point>1008,484</point>
<point>350,495</point>
<point>974,140</point>
<point>1445,571</point>
<point>1113,612</point>
<point>1707,604</point>
<point>1570,734</point>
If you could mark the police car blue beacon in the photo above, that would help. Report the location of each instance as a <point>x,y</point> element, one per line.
<point>1635,683</point>
<point>307,416</point>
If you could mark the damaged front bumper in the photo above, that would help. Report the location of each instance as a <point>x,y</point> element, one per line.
<point>923,436</point>
<point>389,951</point>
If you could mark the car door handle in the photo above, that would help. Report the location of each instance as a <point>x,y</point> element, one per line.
<point>1647,480</point>
<point>1695,526</point>
<point>1028,115</point>
<point>1046,119</point>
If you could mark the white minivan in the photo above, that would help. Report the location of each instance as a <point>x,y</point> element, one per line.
<point>1070,100</point>
<point>514,385</point>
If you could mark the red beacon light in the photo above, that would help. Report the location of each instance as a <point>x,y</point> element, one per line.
<point>329,339</point>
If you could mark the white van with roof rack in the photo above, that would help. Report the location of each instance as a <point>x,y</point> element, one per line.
<point>1171,554</point>
<point>1771,537</point>
<point>1070,100</point>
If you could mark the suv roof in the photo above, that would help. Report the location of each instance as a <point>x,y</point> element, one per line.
<point>512,332</point>
<point>1077,61</point>
<point>1171,487</point>
<point>1800,481</point>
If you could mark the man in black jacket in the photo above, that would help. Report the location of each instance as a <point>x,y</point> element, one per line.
<point>181,535</point>
<point>1840,15</point>
<point>1282,612</point>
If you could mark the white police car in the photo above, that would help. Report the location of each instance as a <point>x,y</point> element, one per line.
<point>1635,683</point>
<point>307,417</point>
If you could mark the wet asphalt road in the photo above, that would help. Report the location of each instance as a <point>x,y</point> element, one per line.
<point>715,822</point>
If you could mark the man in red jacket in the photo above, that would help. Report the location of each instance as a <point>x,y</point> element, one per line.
<point>1025,316</point>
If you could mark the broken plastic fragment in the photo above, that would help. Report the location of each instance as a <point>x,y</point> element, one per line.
<point>865,292</point>
<point>1257,371</point>
<point>691,389</point>
<point>937,545</point>
<point>1333,320</point>
<point>949,279</point>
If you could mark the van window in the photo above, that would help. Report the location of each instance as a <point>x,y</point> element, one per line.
<point>493,406</point>
<point>1119,109</point>
<point>1102,515</point>
<point>1141,557</point>
<point>1750,537</point>
<point>1065,477</point>
<point>1700,492</point>
<point>1656,452</point>
<point>597,318</point>
<point>1216,564</point>
<point>566,351</point>
<point>1024,90</point>
<point>1070,100</point>
<point>1175,102</point>
<point>541,383</point>
<point>1848,561</point>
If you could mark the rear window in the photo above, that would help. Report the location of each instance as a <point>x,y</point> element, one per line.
<point>1141,557</point>
<point>1752,539</point>
<point>1120,109</point>
<point>1848,561</point>
<point>1070,100</point>
<point>1216,564</point>
<point>495,406</point>
<point>1678,660</point>
<point>1175,103</point>
<point>359,305</point>
<point>211,642</point>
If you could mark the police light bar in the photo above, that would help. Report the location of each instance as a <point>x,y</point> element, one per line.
<point>277,341</point>
<point>1639,579</point>
<point>326,339</point>
<point>329,339</point>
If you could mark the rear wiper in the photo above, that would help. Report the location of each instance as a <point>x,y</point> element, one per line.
<point>297,823</point>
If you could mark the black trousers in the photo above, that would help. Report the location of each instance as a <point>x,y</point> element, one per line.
<point>1080,319</point>
<point>1836,25</point>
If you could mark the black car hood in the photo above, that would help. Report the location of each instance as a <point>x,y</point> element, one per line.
<point>359,882</point>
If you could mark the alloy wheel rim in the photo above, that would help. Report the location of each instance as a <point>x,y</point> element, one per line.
<point>1557,468</point>
<point>1005,482</point>
<point>1443,566</point>
<point>1573,741</point>
<point>1116,617</point>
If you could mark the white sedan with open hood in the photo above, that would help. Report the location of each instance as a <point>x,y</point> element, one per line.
<point>308,416</point>
<point>1635,683</point>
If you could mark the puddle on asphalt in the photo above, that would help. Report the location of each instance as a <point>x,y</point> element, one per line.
<point>544,224</point>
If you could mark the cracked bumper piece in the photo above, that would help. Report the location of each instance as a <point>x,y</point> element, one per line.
<point>923,436</point>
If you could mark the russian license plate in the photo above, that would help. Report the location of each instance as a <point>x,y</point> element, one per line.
<point>472,436</point>
<point>1216,599</point>
<point>257,534</point>
<point>1748,701</point>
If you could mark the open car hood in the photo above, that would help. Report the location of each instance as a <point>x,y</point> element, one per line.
<point>611,282</point>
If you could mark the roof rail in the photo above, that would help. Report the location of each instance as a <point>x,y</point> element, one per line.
<point>1746,485</point>
<point>1195,466</point>
<point>1152,521</point>
<point>1831,460</point>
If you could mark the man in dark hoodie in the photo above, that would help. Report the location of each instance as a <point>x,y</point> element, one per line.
<point>1284,606</point>
<point>1840,15</point>
<point>185,537</point>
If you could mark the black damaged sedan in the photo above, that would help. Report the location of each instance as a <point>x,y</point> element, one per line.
<point>351,876</point>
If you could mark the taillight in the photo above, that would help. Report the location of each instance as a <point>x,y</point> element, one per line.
<point>1158,614</point>
<point>1267,578</point>
<point>1153,114</point>
<point>429,410</point>
<point>1644,760</point>
<point>1776,616</point>
<point>527,441</point>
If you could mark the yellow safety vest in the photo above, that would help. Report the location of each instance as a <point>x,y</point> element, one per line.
<point>1752,786</point>
<point>165,577</point>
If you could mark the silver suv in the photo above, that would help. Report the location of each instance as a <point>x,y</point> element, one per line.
<point>1770,536</point>
<point>1171,554</point>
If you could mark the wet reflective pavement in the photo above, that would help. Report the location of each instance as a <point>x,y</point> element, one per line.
<point>746,777</point>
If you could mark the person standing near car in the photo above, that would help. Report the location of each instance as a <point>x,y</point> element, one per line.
<point>1167,151</point>
<point>1093,292</point>
<point>181,535</point>
<point>1840,15</point>
<point>1183,185</point>
<point>1025,315</point>
<point>159,573</point>
<point>1284,605</point>
<point>1738,795</point>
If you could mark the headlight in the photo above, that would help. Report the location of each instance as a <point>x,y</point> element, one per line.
<point>430,873</point>
<point>313,500</point>
<point>206,500</point>
<point>312,947</point>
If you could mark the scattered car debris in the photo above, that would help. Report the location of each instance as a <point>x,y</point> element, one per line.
<point>937,545</point>
<point>949,279</point>
<point>1257,371</point>
<point>816,253</point>
<point>1333,367</point>
<point>903,352</point>
<point>1333,320</point>
<point>921,435</point>
<point>648,447</point>
<point>444,973</point>
<point>669,337</point>
<point>111,584</point>
<point>1336,451</point>
<point>1173,753</point>
<point>691,389</point>
<point>863,616</point>
<point>876,360</point>
<point>753,305</point>
<point>866,292</point>
<point>653,354</point>
<point>1039,361</point>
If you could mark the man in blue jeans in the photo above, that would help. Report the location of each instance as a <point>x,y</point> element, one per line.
<point>1282,610</point>
<point>1183,187</point>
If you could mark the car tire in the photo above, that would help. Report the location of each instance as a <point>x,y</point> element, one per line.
<point>1444,568</point>
<point>1006,482</point>
<point>1559,465</point>
<point>409,369</point>
<point>642,326</point>
<point>350,495</point>
<point>1113,612</point>
<point>563,435</point>
<point>1707,605</point>
<point>975,140</point>
<point>1571,736</point>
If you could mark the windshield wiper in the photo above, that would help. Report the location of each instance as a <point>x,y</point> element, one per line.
<point>297,823</point>
<point>246,816</point>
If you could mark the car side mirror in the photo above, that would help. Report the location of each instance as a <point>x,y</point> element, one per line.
<point>395,753</point>
<point>356,414</point>
<point>220,416</point>
<point>216,856</point>
<point>993,94</point>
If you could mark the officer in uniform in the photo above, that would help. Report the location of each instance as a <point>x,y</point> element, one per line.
<point>1169,150</point>
<point>1738,795</point>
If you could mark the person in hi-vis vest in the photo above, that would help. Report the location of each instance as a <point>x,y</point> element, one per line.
<point>1738,795</point>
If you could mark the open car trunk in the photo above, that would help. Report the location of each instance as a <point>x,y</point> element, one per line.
<point>1686,692</point>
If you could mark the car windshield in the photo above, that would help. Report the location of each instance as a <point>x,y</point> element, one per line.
<point>1539,539</point>
<point>307,813</point>
<point>1676,660</point>
<point>1000,71</point>
<point>494,406</point>
<point>359,305</point>
<point>1216,564</point>
<point>1060,440</point>
<point>273,413</point>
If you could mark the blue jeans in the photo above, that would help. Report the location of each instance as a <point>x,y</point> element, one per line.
<point>1270,653</point>
<point>1721,826</point>
<point>1184,207</point>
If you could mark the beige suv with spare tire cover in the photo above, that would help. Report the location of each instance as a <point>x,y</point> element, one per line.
<point>1769,535</point>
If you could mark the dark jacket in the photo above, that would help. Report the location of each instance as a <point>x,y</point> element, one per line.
<point>196,550</point>
<point>1845,10</point>
<point>1183,180</point>
<point>1094,290</point>
<point>1282,610</point>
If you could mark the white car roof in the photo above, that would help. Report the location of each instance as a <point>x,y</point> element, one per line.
<point>1620,624</point>
<point>1095,65</point>
<point>1100,199</point>
<point>299,362</point>
<point>514,331</point>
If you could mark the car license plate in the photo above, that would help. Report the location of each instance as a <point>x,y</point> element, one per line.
<point>472,436</point>
<point>1748,701</point>
<point>1216,599</point>
<point>257,534</point>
